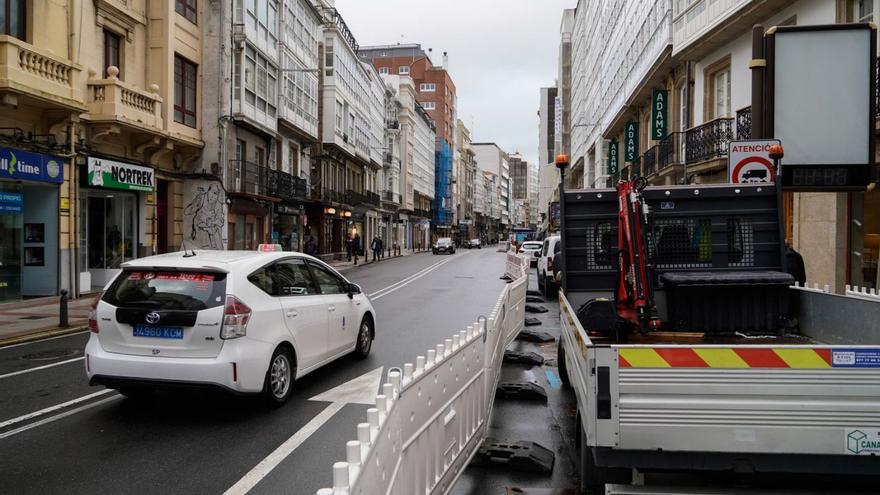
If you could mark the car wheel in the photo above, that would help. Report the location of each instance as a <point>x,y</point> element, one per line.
<point>279,377</point>
<point>364,339</point>
<point>561,366</point>
<point>542,284</point>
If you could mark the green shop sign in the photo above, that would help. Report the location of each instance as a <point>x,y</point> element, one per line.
<point>631,141</point>
<point>117,175</point>
<point>612,157</point>
<point>658,114</point>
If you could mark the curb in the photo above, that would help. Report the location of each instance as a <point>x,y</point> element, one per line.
<point>348,268</point>
<point>31,337</point>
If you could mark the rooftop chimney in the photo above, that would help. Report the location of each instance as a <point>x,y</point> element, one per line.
<point>445,61</point>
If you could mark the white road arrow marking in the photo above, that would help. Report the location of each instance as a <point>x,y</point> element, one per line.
<point>361,390</point>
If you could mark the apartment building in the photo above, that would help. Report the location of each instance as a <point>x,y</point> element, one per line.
<point>695,54</point>
<point>413,143</point>
<point>100,116</point>
<point>437,95</point>
<point>491,158</point>
<point>465,173</point>
<point>549,132</point>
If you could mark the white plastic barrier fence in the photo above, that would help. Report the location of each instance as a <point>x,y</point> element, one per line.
<point>863,293</point>
<point>515,264</point>
<point>432,415</point>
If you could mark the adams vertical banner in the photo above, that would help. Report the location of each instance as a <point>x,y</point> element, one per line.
<point>631,141</point>
<point>659,114</point>
<point>612,157</point>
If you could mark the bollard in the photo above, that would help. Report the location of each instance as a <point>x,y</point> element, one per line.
<point>63,317</point>
<point>420,365</point>
<point>340,477</point>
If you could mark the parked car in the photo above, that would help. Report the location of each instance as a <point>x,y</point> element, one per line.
<point>532,249</point>
<point>244,322</point>
<point>474,244</point>
<point>444,245</point>
<point>546,281</point>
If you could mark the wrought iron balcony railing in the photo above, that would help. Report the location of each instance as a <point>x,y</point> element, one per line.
<point>709,140</point>
<point>285,186</point>
<point>744,123</point>
<point>372,198</point>
<point>391,197</point>
<point>248,178</point>
<point>670,150</point>
<point>354,198</point>
<point>649,161</point>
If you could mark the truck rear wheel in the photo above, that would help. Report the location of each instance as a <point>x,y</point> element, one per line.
<point>560,364</point>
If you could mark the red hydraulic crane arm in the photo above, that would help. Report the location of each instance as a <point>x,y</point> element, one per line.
<point>634,295</point>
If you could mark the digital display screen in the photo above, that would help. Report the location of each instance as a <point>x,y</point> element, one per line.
<point>824,177</point>
<point>819,177</point>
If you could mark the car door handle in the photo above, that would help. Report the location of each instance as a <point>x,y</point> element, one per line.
<point>331,308</point>
<point>292,314</point>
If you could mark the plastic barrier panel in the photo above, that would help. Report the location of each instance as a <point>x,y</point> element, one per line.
<point>433,414</point>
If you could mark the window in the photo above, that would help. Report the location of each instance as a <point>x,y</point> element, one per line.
<point>184,91</point>
<point>186,8</point>
<point>262,17</point>
<point>264,280</point>
<point>863,11</point>
<point>111,52</point>
<point>716,94</point>
<point>260,156</point>
<point>328,282</point>
<point>430,87</point>
<point>429,105</point>
<point>260,82</point>
<point>13,18</point>
<point>403,70</point>
<point>292,278</point>
<point>383,70</point>
<point>173,290</point>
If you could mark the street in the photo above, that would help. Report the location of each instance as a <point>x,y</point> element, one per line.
<point>58,435</point>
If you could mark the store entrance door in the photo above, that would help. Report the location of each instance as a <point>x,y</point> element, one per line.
<point>10,255</point>
<point>110,228</point>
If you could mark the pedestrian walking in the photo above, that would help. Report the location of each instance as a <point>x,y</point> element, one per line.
<point>356,247</point>
<point>311,247</point>
<point>376,247</point>
<point>349,247</point>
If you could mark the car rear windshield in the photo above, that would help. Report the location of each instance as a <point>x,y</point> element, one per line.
<point>190,291</point>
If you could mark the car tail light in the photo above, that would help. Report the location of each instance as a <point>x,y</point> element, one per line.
<point>549,263</point>
<point>93,314</point>
<point>236,316</point>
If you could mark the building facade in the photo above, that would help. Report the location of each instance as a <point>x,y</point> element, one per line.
<point>549,132</point>
<point>491,158</point>
<point>465,176</point>
<point>698,57</point>
<point>437,95</point>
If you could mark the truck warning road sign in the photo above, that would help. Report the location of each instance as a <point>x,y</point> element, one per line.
<point>748,162</point>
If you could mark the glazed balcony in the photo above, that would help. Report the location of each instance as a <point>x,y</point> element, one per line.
<point>112,100</point>
<point>45,79</point>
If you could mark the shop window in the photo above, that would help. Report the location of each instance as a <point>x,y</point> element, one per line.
<point>865,240</point>
<point>112,52</point>
<point>14,18</point>
<point>184,91</point>
<point>187,8</point>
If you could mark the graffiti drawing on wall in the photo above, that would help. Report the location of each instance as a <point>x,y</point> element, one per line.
<point>205,215</point>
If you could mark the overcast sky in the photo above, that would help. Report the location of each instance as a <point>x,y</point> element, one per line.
<point>501,52</point>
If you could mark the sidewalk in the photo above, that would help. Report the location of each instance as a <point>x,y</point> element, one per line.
<point>343,266</point>
<point>23,321</point>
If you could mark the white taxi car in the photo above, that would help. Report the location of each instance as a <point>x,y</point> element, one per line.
<point>245,322</point>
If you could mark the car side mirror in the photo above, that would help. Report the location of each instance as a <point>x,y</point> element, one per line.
<point>352,290</point>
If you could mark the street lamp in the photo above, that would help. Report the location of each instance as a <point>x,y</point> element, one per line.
<point>562,164</point>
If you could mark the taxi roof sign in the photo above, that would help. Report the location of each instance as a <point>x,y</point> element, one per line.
<point>270,248</point>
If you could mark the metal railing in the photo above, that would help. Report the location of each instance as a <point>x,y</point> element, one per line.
<point>432,414</point>
<point>709,140</point>
<point>422,213</point>
<point>248,178</point>
<point>669,151</point>
<point>285,186</point>
<point>744,123</point>
<point>353,197</point>
<point>372,198</point>
<point>649,161</point>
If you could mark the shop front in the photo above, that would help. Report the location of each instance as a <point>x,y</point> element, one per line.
<point>113,201</point>
<point>247,221</point>
<point>29,233</point>
<point>288,226</point>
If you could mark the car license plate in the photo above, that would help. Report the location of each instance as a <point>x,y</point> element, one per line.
<point>158,332</point>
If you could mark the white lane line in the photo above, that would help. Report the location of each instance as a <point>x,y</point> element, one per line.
<point>38,368</point>
<point>43,412</point>
<point>59,416</point>
<point>384,292</point>
<point>42,340</point>
<point>266,466</point>
<point>395,284</point>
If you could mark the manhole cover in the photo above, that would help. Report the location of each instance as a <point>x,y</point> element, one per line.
<point>32,317</point>
<point>50,355</point>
